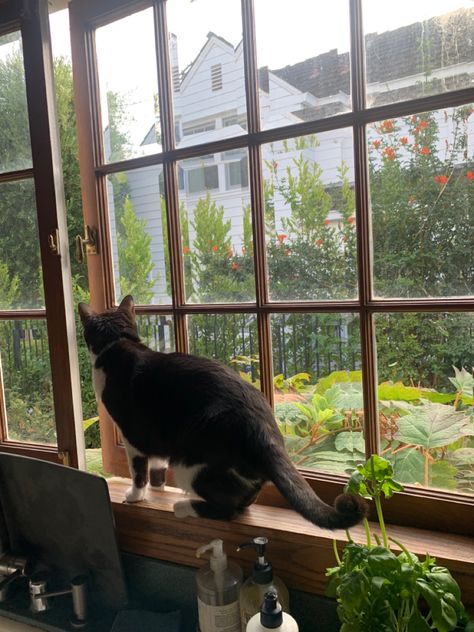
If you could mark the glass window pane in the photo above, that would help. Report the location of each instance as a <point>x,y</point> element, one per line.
<point>157,332</point>
<point>419,49</point>
<point>422,199</point>
<point>139,235</point>
<point>425,394</point>
<point>309,212</point>
<point>21,285</point>
<point>25,381</point>
<point>126,60</point>
<point>207,66</point>
<point>229,338</point>
<point>303,59</point>
<point>216,231</point>
<point>15,151</point>
<point>318,389</point>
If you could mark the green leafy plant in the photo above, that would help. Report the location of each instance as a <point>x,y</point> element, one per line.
<point>378,589</point>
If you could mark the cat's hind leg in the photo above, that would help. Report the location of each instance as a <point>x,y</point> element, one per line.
<point>223,494</point>
<point>157,470</point>
<point>138,466</point>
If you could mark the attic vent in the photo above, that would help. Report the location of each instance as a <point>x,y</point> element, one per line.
<point>175,77</point>
<point>216,77</point>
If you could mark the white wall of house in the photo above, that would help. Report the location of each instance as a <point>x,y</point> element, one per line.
<point>198,105</point>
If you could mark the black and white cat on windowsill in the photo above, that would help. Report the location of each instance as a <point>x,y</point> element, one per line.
<point>216,430</point>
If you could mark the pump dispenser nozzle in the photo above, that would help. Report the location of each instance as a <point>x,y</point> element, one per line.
<point>218,559</point>
<point>262,570</point>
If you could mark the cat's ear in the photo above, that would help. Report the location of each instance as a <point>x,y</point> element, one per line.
<point>127,305</point>
<point>85,312</point>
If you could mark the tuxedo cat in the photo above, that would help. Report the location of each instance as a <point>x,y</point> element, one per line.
<point>216,430</point>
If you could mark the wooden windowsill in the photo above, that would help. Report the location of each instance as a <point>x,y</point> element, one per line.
<point>299,551</point>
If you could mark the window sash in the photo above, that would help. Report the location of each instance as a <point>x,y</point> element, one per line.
<point>91,14</point>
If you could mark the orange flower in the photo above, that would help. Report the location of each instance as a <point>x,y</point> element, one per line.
<point>327,221</point>
<point>281,238</point>
<point>215,248</point>
<point>422,124</point>
<point>425,151</point>
<point>470,175</point>
<point>404,140</point>
<point>389,153</point>
<point>376,144</point>
<point>235,265</point>
<point>185,250</point>
<point>441,179</point>
<point>351,219</point>
<point>387,126</point>
<point>319,242</point>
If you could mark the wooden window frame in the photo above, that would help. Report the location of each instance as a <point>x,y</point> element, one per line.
<point>415,507</point>
<point>33,24</point>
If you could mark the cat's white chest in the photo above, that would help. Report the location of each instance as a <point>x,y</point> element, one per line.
<point>98,382</point>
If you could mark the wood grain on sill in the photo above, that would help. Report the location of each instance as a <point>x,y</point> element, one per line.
<point>300,552</point>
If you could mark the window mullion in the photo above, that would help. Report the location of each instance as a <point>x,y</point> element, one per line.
<point>257,198</point>
<point>364,258</point>
<point>170,176</point>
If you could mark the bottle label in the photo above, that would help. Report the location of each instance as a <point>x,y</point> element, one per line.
<point>219,618</point>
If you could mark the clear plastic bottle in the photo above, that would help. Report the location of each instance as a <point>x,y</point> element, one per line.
<point>218,588</point>
<point>260,582</point>
<point>272,617</point>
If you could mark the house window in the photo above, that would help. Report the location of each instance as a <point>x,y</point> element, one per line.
<point>337,278</point>
<point>237,171</point>
<point>216,77</point>
<point>188,130</point>
<point>202,179</point>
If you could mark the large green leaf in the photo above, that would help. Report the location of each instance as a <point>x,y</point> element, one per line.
<point>409,466</point>
<point>337,377</point>
<point>463,382</point>
<point>433,425</point>
<point>351,441</point>
<point>390,391</point>
<point>442,475</point>
<point>346,396</point>
<point>463,456</point>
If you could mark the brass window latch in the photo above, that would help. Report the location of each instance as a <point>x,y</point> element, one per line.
<point>87,244</point>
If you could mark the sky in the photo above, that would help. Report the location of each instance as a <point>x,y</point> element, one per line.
<point>286,33</point>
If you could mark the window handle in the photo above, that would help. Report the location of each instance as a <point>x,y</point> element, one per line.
<point>87,244</point>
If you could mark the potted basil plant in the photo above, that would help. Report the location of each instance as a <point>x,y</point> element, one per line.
<point>379,590</point>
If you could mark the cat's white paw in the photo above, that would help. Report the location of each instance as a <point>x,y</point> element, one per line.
<point>184,509</point>
<point>135,494</point>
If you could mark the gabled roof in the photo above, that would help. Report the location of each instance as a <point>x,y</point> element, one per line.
<point>211,38</point>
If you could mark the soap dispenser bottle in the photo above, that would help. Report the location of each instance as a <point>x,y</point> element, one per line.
<point>260,582</point>
<point>218,587</point>
<point>272,617</point>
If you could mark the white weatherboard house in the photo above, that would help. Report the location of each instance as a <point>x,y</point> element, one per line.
<point>209,104</point>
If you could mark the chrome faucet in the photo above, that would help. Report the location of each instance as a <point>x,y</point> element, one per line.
<point>39,596</point>
<point>11,568</point>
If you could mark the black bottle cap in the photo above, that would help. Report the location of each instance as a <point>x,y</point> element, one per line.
<point>262,570</point>
<point>271,614</point>
<point>262,573</point>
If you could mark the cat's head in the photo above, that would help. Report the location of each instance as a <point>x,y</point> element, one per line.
<point>102,329</point>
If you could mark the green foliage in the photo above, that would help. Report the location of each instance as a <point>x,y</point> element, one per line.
<point>135,261</point>
<point>8,287</point>
<point>427,436</point>
<point>377,589</point>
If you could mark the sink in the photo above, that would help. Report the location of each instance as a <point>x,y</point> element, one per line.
<point>9,625</point>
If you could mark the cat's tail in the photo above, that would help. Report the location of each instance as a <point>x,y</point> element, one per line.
<point>348,509</point>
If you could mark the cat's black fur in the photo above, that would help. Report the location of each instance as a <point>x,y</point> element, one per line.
<point>197,412</point>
